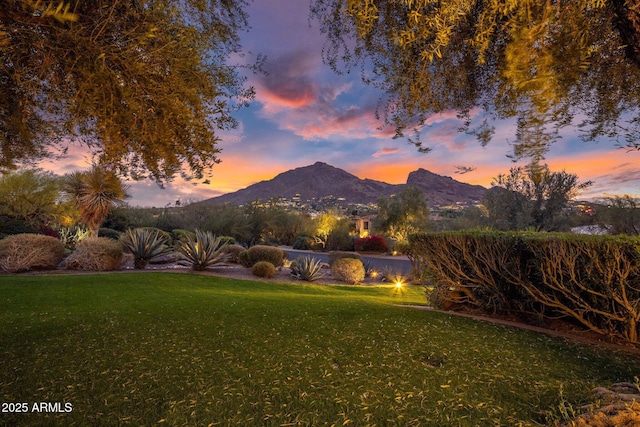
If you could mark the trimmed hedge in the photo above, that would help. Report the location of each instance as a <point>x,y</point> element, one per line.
<point>348,270</point>
<point>96,254</point>
<point>22,252</point>
<point>257,253</point>
<point>592,280</point>
<point>263,269</point>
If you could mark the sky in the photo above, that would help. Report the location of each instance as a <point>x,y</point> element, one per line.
<point>304,112</point>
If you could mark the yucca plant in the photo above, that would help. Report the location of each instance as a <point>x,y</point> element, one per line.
<point>306,268</point>
<point>203,250</point>
<point>145,244</point>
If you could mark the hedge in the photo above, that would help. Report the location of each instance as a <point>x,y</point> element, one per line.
<point>593,280</point>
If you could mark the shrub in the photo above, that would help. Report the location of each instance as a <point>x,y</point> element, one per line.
<point>243,259</point>
<point>145,244</point>
<point>203,250</point>
<point>234,252</point>
<point>304,242</point>
<point>109,233</point>
<point>336,255</point>
<point>263,269</point>
<point>371,244</point>
<point>257,253</point>
<point>96,254</point>
<point>592,280</point>
<point>181,235</point>
<point>348,270</point>
<point>70,236</point>
<point>306,268</point>
<point>227,240</point>
<point>22,252</point>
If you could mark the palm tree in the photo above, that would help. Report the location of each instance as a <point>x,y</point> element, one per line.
<point>95,192</point>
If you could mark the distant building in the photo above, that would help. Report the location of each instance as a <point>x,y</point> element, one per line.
<point>363,225</point>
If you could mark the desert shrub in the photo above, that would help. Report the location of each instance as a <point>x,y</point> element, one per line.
<point>22,252</point>
<point>96,254</point>
<point>340,239</point>
<point>109,233</point>
<point>243,259</point>
<point>227,240</point>
<point>371,244</point>
<point>348,270</point>
<point>203,250</point>
<point>181,235</point>
<point>263,269</point>
<point>336,255</point>
<point>304,242</point>
<point>234,252</point>
<point>257,253</point>
<point>145,245</point>
<point>592,280</point>
<point>70,236</point>
<point>306,268</point>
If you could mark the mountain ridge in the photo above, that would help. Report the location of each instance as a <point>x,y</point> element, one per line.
<point>322,180</point>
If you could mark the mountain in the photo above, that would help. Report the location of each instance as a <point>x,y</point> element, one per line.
<point>322,180</point>
<point>444,190</point>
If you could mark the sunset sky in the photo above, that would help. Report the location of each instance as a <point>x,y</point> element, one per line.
<point>304,112</point>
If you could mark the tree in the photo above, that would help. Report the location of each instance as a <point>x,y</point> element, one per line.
<point>145,85</point>
<point>531,197</point>
<point>402,215</point>
<point>544,63</point>
<point>324,225</point>
<point>96,193</point>
<point>32,197</point>
<point>619,215</point>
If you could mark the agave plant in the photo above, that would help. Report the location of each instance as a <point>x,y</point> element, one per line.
<point>306,268</point>
<point>145,245</point>
<point>203,250</point>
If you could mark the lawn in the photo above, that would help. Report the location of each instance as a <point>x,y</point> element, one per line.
<point>181,349</point>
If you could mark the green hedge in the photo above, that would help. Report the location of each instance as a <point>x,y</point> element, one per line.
<point>593,280</point>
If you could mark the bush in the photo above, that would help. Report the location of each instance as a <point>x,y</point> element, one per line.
<point>371,244</point>
<point>257,253</point>
<point>593,280</point>
<point>109,233</point>
<point>348,270</point>
<point>145,244</point>
<point>22,252</point>
<point>181,235</point>
<point>70,236</point>
<point>96,254</point>
<point>306,268</point>
<point>304,242</point>
<point>227,240</point>
<point>263,269</point>
<point>336,255</point>
<point>234,252</point>
<point>203,250</point>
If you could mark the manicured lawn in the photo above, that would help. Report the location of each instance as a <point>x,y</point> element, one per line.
<point>179,349</point>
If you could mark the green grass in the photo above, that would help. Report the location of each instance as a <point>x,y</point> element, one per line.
<point>181,349</point>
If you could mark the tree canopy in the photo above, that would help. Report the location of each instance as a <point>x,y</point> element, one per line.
<point>531,197</point>
<point>145,84</point>
<point>547,63</point>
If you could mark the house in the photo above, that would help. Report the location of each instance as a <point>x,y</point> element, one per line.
<point>363,225</point>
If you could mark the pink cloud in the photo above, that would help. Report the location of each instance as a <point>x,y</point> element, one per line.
<point>385,152</point>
